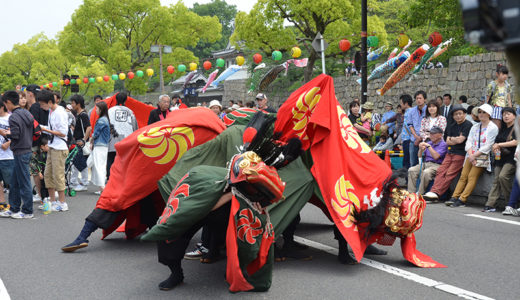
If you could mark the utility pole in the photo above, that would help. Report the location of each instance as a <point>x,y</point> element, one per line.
<point>319,45</point>
<point>364,82</point>
<point>159,49</point>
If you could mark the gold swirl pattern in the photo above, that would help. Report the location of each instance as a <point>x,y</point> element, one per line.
<point>349,133</point>
<point>166,143</point>
<point>345,201</point>
<point>303,110</point>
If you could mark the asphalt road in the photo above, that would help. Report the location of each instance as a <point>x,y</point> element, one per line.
<point>481,256</point>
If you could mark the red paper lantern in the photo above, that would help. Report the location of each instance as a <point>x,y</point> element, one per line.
<point>257,58</point>
<point>170,69</point>
<point>344,45</point>
<point>85,79</point>
<point>435,39</point>
<point>106,78</point>
<point>41,87</point>
<point>67,82</point>
<point>206,65</point>
<point>131,75</point>
<point>50,84</point>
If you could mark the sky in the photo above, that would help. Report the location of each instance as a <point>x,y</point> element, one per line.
<point>22,19</point>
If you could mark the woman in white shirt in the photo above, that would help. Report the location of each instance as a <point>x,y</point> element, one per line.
<point>432,119</point>
<point>480,141</point>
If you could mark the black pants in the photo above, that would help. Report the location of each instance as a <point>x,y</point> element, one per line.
<point>288,233</point>
<point>110,160</point>
<point>172,253</point>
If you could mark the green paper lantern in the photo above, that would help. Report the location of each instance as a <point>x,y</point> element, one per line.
<point>221,62</point>
<point>277,55</point>
<point>373,41</point>
<point>181,68</point>
<point>92,80</point>
<point>114,77</point>
<point>73,81</point>
<point>54,83</point>
<point>139,73</point>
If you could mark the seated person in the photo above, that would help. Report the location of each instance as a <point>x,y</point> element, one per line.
<point>434,152</point>
<point>385,140</point>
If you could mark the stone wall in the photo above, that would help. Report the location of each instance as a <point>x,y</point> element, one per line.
<point>466,75</point>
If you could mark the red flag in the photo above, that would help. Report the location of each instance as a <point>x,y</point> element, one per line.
<point>348,173</point>
<point>149,153</point>
<point>140,110</point>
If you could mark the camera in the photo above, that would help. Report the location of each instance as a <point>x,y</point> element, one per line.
<point>494,24</point>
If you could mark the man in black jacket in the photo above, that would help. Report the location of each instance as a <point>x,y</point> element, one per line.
<point>20,133</point>
<point>162,110</point>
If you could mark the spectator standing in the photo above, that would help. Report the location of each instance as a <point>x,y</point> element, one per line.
<point>463,100</point>
<point>389,115</point>
<point>406,134</point>
<point>23,100</point>
<point>512,205</point>
<point>216,107</point>
<point>439,100</point>
<point>162,110</point>
<point>97,98</point>
<point>124,122</point>
<point>417,113</point>
<point>454,160</point>
<point>431,119</point>
<point>434,152</point>
<point>499,93</point>
<point>480,140</point>
<point>21,124</point>
<point>58,128</point>
<point>101,139</point>
<point>505,166</point>
<point>261,103</point>
<point>6,155</point>
<point>37,168</point>
<point>81,135</point>
<point>446,110</point>
<point>176,102</point>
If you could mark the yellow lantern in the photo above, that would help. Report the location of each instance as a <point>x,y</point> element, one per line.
<point>149,72</point>
<point>240,60</point>
<point>61,82</point>
<point>402,40</point>
<point>296,52</point>
<point>122,76</point>
<point>193,66</point>
<point>99,79</point>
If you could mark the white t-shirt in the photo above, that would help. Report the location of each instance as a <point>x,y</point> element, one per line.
<point>58,121</point>
<point>5,154</point>
<point>124,122</point>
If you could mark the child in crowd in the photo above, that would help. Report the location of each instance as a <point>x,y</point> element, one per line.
<point>37,166</point>
<point>6,156</point>
<point>366,116</point>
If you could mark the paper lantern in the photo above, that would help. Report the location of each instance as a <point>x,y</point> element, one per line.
<point>170,69</point>
<point>99,79</point>
<point>181,68</point>
<point>257,58</point>
<point>114,77</point>
<point>122,76</point>
<point>240,60</point>
<point>193,66</point>
<point>277,55</point>
<point>49,84</point>
<point>54,83</point>
<point>85,79</point>
<point>373,41</point>
<point>66,82</point>
<point>131,75</point>
<point>62,82</point>
<point>296,52</point>
<point>221,62</point>
<point>41,87</point>
<point>149,72</point>
<point>206,65</point>
<point>435,39</point>
<point>139,73</point>
<point>92,80</point>
<point>106,78</point>
<point>73,81</point>
<point>402,40</point>
<point>344,45</point>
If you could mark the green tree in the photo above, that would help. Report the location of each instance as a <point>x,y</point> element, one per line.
<point>226,16</point>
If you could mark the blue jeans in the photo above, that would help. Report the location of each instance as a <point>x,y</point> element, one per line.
<point>414,151</point>
<point>515,194</point>
<point>406,154</point>
<point>20,187</point>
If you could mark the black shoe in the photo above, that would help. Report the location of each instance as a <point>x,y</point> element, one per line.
<point>458,203</point>
<point>295,244</point>
<point>343,254</point>
<point>171,282</point>
<point>278,255</point>
<point>372,250</point>
<point>489,209</point>
<point>294,252</point>
<point>77,244</point>
<point>451,201</point>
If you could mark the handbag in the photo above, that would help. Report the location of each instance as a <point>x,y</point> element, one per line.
<point>505,151</point>
<point>86,148</point>
<point>481,161</point>
<point>90,161</point>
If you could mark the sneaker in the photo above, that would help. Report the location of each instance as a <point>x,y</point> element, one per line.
<point>79,188</point>
<point>58,206</point>
<point>431,197</point>
<point>21,215</point>
<point>509,211</point>
<point>197,253</point>
<point>37,198</point>
<point>451,201</point>
<point>97,192</point>
<point>489,209</point>
<point>6,214</point>
<point>458,203</point>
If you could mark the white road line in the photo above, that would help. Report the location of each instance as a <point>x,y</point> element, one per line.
<point>494,219</point>
<point>3,291</point>
<point>400,272</point>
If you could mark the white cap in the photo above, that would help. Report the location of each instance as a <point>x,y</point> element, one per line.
<point>214,103</point>
<point>260,96</point>
<point>488,109</point>
<point>235,106</point>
